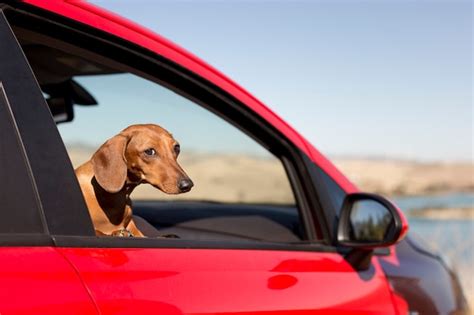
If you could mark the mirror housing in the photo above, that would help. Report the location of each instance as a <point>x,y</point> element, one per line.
<point>369,221</point>
<point>61,109</point>
<point>62,96</point>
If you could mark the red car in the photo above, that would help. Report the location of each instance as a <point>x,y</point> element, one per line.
<point>272,227</point>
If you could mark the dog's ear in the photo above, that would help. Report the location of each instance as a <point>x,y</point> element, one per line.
<point>110,168</point>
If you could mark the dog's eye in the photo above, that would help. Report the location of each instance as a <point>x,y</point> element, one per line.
<point>150,151</point>
<point>177,149</point>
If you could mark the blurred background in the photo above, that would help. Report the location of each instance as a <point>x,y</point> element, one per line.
<point>383,88</point>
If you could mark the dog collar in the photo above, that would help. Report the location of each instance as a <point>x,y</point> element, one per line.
<point>123,232</point>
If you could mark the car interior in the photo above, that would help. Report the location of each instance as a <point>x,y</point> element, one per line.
<point>58,72</point>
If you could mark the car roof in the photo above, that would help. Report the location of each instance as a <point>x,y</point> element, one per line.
<point>114,24</point>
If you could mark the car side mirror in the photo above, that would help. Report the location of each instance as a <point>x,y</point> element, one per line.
<point>368,221</point>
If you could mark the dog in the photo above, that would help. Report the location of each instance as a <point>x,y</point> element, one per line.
<point>139,154</point>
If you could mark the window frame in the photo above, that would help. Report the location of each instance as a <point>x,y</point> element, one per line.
<point>186,83</point>
<point>29,116</point>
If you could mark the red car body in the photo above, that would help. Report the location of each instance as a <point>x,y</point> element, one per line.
<point>73,280</point>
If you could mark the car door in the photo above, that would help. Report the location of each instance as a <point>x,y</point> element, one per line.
<point>186,276</point>
<point>35,278</point>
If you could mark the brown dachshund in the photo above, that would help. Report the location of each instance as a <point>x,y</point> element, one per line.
<point>139,154</point>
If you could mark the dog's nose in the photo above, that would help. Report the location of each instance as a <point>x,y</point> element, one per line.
<point>185,184</point>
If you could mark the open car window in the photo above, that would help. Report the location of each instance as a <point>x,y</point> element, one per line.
<point>225,164</point>
<point>241,191</point>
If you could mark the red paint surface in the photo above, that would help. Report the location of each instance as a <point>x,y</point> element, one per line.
<point>39,280</point>
<point>198,281</point>
<point>106,21</point>
<point>405,226</point>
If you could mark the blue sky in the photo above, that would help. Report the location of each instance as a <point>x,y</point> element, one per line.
<point>365,78</point>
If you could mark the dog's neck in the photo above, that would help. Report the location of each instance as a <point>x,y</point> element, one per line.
<point>116,206</point>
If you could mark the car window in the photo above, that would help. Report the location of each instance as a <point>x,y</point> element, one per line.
<point>225,164</point>
<point>240,189</point>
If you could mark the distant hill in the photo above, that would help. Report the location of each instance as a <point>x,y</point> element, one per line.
<point>232,177</point>
<point>398,177</point>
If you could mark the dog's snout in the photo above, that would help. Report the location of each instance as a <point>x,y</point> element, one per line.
<point>185,184</point>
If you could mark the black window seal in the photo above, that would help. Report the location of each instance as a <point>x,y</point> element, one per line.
<point>26,240</point>
<point>171,243</point>
<point>287,149</point>
<point>115,242</point>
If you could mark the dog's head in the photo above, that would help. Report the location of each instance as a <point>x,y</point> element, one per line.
<point>141,154</point>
